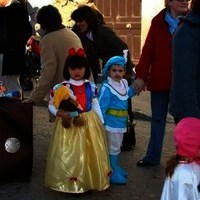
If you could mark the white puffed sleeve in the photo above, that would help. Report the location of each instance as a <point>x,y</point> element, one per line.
<point>52,109</point>
<point>95,102</point>
<point>96,108</point>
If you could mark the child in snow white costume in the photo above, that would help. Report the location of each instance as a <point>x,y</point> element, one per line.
<point>113,99</point>
<point>78,157</point>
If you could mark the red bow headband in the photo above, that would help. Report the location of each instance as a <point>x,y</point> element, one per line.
<point>80,52</point>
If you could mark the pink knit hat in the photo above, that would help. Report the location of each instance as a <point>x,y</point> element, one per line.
<point>187,137</point>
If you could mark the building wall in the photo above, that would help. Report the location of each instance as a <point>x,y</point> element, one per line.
<point>149,10</point>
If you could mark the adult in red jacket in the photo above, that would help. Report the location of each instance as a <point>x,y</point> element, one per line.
<point>154,73</point>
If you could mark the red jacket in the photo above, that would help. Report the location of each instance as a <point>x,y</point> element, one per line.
<point>33,44</point>
<point>155,64</point>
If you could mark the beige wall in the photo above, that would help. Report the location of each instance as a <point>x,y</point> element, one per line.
<point>40,3</point>
<point>149,9</point>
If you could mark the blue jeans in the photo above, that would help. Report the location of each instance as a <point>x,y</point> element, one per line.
<point>159,108</point>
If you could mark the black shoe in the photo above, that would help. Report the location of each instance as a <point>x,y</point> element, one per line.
<point>143,163</point>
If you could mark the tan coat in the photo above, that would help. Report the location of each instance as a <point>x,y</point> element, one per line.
<point>53,50</point>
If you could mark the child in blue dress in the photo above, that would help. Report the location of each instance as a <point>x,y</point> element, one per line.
<point>78,156</point>
<point>113,99</point>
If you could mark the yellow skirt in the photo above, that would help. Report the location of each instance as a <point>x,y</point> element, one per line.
<point>77,159</point>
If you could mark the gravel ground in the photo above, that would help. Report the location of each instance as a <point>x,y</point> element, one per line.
<point>143,183</point>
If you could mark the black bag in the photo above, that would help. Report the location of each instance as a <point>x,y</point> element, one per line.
<point>129,140</point>
<point>16,141</point>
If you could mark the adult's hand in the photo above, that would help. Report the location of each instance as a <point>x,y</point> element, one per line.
<point>139,84</point>
<point>39,103</point>
<point>28,100</point>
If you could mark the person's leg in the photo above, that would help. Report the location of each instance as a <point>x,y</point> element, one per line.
<point>114,143</point>
<point>1,64</point>
<point>159,107</point>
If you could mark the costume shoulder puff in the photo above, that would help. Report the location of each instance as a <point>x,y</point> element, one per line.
<point>94,88</point>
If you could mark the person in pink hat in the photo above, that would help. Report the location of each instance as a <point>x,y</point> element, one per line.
<point>183,169</point>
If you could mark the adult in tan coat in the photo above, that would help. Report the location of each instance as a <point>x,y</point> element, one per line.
<point>54,45</point>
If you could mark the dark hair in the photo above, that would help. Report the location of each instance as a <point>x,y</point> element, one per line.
<point>100,17</point>
<point>195,6</point>
<point>171,164</point>
<point>88,14</point>
<point>22,1</point>
<point>49,18</point>
<point>73,62</point>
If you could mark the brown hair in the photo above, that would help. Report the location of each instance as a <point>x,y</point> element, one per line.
<point>167,3</point>
<point>171,164</point>
<point>49,18</point>
<point>88,14</point>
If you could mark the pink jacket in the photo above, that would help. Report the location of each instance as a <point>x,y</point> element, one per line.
<point>155,64</point>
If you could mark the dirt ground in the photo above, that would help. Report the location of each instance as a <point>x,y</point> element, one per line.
<point>143,183</point>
